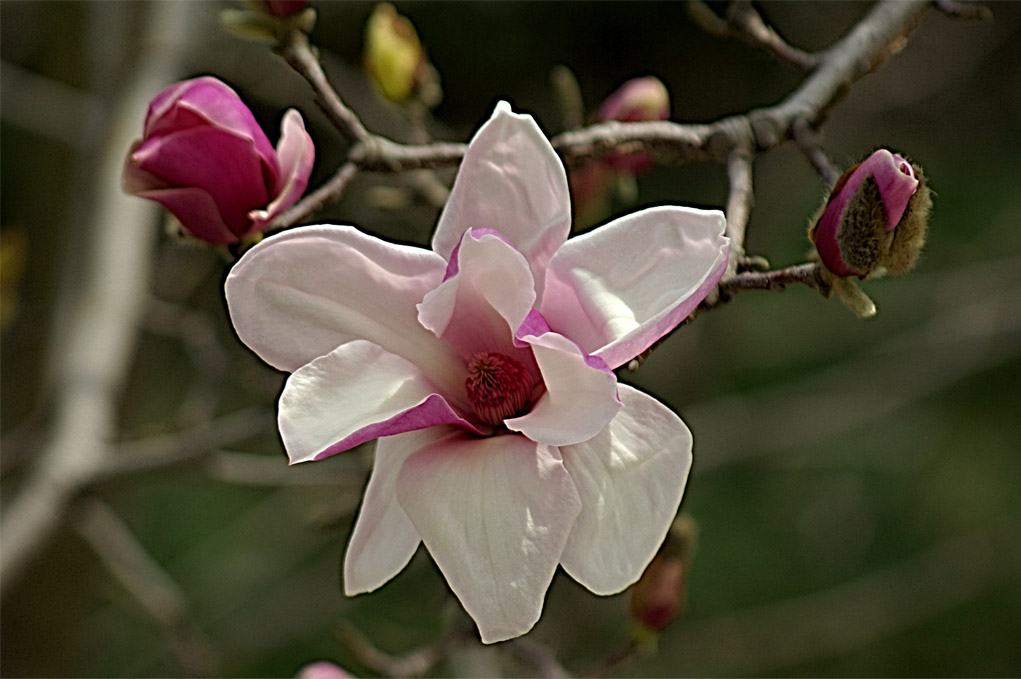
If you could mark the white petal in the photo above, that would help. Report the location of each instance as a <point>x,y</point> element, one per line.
<point>495,514</point>
<point>301,294</point>
<point>384,539</point>
<point>354,394</point>
<point>630,478</point>
<point>510,180</point>
<point>621,287</point>
<point>580,398</point>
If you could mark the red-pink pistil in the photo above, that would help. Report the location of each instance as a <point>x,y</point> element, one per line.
<point>498,386</point>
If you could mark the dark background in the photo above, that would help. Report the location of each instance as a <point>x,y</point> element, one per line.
<point>855,483</point>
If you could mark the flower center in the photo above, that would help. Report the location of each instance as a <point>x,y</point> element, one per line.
<point>497,385</point>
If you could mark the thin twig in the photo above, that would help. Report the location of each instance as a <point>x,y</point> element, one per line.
<point>298,53</point>
<point>855,55</point>
<point>739,203</point>
<point>99,340</point>
<point>810,140</point>
<point>313,202</point>
<point>183,447</point>
<point>809,274</point>
<point>416,663</point>
<point>538,656</point>
<point>745,23</point>
<point>155,591</point>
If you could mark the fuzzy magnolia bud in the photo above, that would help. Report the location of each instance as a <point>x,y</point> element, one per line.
<point>875,219</point>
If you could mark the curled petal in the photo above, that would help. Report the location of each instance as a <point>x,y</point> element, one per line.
<point>354,394</point>
<point>630,477</point>
<point>486,298</point>
<point>619,288</point>
<point>300,294</point>
<point>295,153</point>
<point>512,181</point>
<point>580,398</point>
<point>495,514</point>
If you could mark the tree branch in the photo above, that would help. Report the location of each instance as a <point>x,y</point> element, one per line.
<point>745,23</point>
<point>101,335</point>
<point>298,53</point>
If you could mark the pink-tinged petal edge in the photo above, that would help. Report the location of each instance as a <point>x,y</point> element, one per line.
<point>630,478</point>
<point>354,394</point>
<point>295,154</point>
<point>619,288</point>
<point>510,180</point>
<point>494,514</point>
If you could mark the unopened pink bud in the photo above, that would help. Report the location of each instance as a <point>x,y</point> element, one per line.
<point>206,160</point>
<point>875,219</point>
<point>636,100</point>
<point>658,596</point>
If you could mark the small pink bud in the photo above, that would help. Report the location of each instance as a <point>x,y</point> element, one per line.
<point>875,219</point>
<point>637,99</point>
<point>206,160</point>
<point>658,596</point>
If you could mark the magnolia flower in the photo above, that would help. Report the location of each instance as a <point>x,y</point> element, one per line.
<point>485,368</point>
<point>205,158</point>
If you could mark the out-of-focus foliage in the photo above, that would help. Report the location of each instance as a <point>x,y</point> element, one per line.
<point>855,483</point>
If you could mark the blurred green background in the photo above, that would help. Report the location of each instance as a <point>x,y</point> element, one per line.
<point>856,484</point>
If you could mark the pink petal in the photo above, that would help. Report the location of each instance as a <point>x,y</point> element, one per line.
<point>223,165</point>
<point>619,288</point>
<point>295,153</point>
<point>203,102</point>
<point>512,181</point>
<point>580,398</point>
<point>384,539</point>
<point>300,294</point>
<point>495,514</point>
<point>630,477</point>
<point>354,394</point>
<point>480,306</point>
<point>197,212</point>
